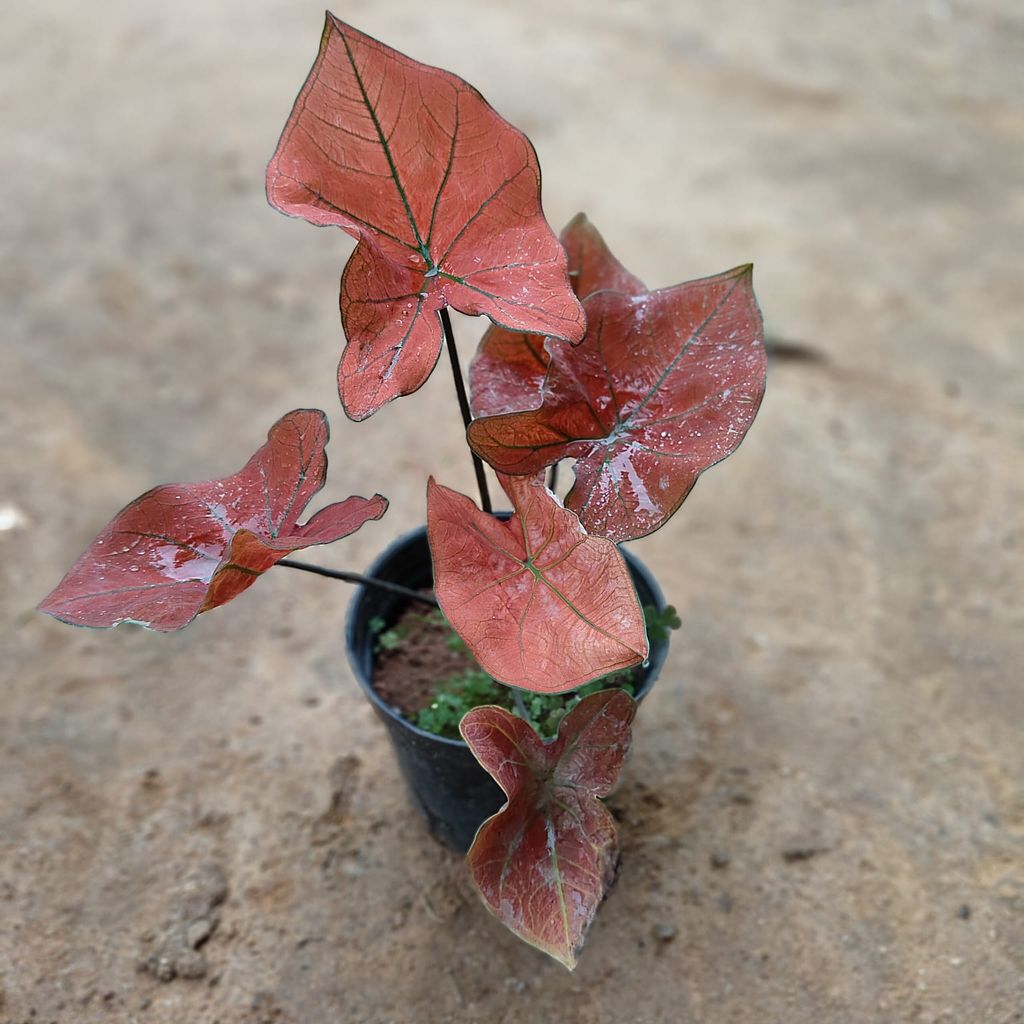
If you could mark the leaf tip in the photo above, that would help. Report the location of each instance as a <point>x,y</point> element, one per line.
<point>567,958</point>
<point>331,20</point>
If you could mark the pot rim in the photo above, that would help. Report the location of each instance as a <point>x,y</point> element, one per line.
<point>652,667</point>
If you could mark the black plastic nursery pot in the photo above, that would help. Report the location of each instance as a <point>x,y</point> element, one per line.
<point>445,781</point>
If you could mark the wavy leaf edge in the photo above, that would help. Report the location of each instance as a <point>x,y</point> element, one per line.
<point>568,865</point>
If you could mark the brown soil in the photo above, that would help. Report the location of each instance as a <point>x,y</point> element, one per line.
<point>407,677</point>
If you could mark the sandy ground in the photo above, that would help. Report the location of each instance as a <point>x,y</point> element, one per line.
<point>823,819</point>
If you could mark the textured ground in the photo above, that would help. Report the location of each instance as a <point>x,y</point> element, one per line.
<point>824,816</point>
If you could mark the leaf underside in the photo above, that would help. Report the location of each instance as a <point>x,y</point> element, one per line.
<point>544,863</point>
<point>541,605</point>
<point>182,549</point>
<point>664,385</point>
<point>443,196</point>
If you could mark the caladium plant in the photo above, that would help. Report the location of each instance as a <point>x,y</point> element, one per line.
<point>642,389</point>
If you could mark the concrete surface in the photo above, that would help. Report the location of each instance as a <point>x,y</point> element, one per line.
<point>824,818</point>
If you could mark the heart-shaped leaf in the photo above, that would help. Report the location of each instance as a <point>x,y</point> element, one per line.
<point>540,605</point>
<point>507,373</point>
<point>444,197</point>
<point>544,863</point>
<point>182,549</point>
<point>665,385</point>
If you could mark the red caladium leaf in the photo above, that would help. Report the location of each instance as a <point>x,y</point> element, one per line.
<point>665,385</point>
<point>182,549</point>
<point>507,373</point>
<point>444,197</point>
<point>540,605</point>
<point>544,863</point>
<point>592,267</point>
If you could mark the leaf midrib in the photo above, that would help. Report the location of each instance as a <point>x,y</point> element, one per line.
<point>387,149</point>
<point>624,423</point>
<point>539,575</point>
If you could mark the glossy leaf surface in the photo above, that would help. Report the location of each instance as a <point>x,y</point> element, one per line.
<point>507,373</point>
<point>544,863</point>
<point>540,605</point>
<point>442,194</point>
<point>182,549</point>
<point>665,385</point>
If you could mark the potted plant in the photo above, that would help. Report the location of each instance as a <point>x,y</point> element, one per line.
<point>642,389</point>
